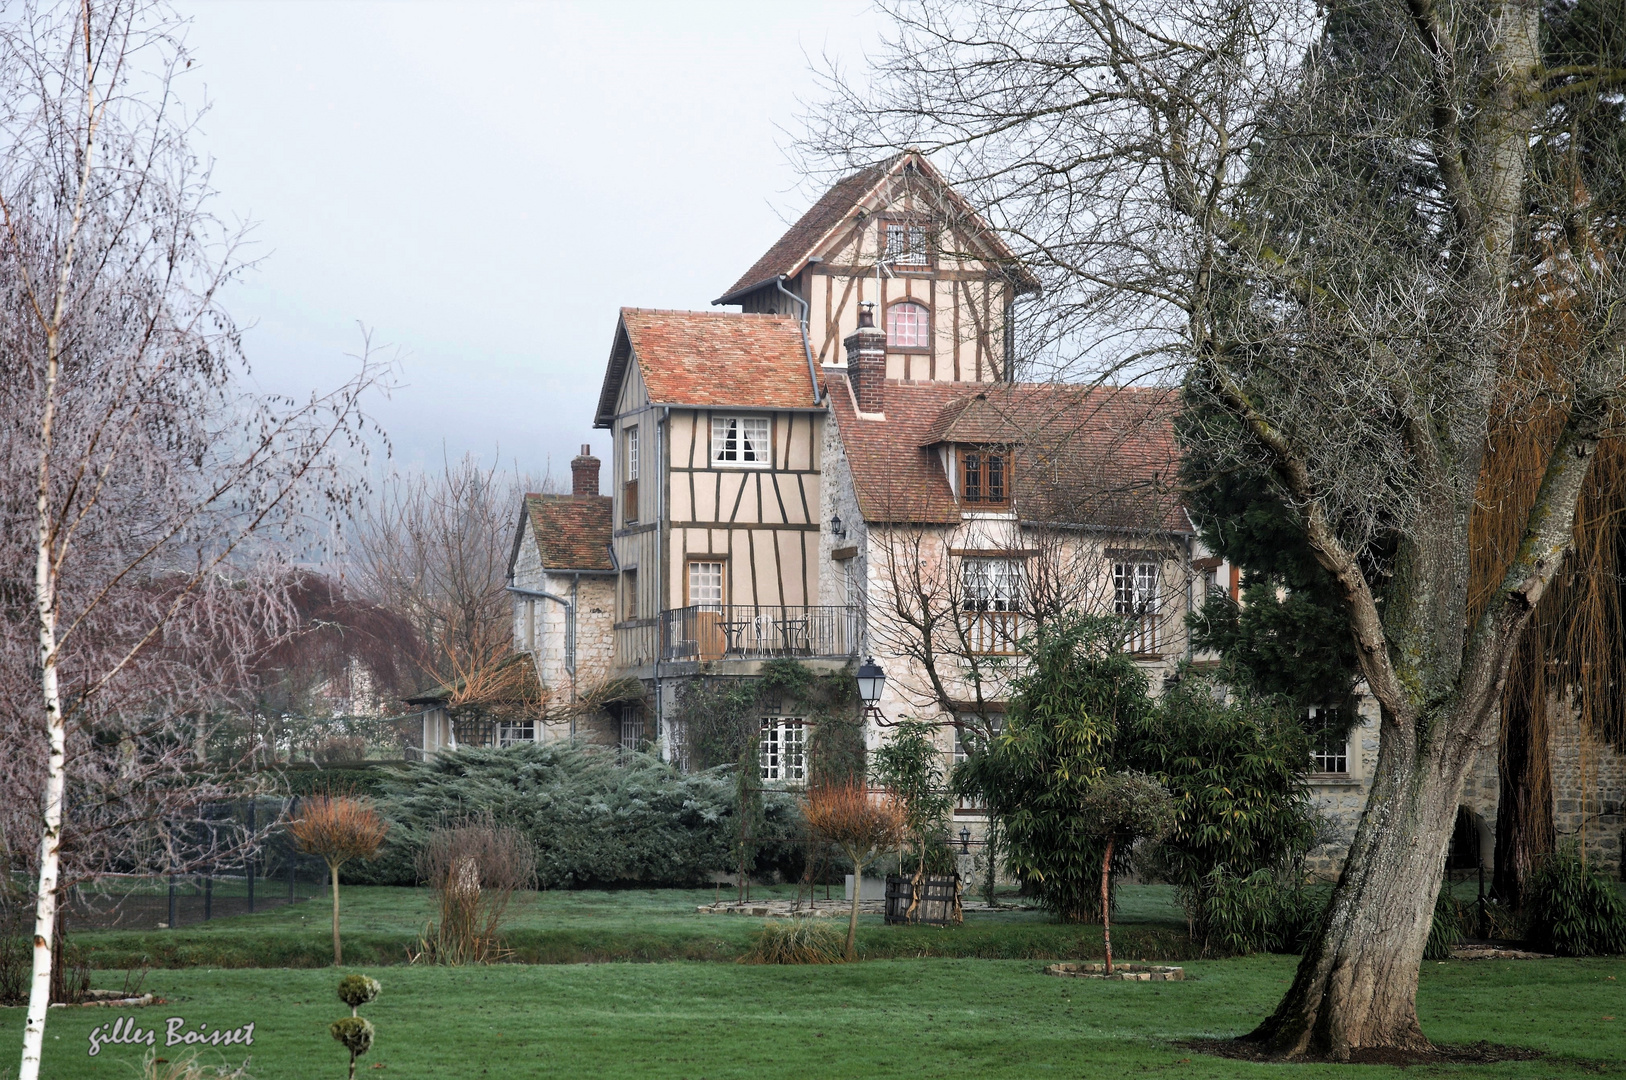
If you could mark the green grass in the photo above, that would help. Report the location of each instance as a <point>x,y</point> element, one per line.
<point>915,1018</point>
<point>380,924</point>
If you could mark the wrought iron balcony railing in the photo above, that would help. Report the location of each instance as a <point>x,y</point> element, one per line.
<point>707,632</point>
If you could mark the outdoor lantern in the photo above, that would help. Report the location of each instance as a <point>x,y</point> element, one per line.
<point>871,680</point>
<point>965,840</point>
<point>836,528</point>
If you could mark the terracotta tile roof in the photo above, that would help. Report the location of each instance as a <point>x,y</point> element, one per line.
<point>572,531</point>
<point>811,232</point>
<point>710,358</point>
<point>1103,456</point>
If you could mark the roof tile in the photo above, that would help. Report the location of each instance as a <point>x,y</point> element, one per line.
<point>720,358</point>
<point>1098,456</point>
<point>572,531</point>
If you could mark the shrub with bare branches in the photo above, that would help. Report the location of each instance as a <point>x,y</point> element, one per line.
<point>861,827</point>
<point>338,828</point>
<point>474,867</point>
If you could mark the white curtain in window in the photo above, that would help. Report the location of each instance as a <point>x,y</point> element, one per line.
<point>741,440</point>
<point>991,584</point>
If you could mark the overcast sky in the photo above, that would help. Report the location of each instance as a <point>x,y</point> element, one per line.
<point>484,185</point>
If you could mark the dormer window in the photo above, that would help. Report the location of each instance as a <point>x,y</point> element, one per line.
<point>985,476</point>
<point>740,440</point>
<point>906,244</point>
<point>908,325</point>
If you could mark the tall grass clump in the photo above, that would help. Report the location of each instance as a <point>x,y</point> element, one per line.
<point>807,940</point>
<point>1573,909</point>
<point>474,868</point>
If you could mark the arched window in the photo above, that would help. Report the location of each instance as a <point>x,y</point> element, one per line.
<point>908,325</point>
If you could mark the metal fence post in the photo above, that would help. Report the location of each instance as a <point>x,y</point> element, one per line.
<point>248,861</point>
<point>172,899</point>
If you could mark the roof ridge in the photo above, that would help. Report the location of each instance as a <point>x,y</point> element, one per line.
<point>707,314</point>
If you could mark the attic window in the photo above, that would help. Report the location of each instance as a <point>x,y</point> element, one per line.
<point>908,325</point>
<point>740,440</point>
<point>985,476</point>
<point>906,244</point>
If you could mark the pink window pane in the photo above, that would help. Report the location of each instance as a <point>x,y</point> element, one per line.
<point>907,326</point>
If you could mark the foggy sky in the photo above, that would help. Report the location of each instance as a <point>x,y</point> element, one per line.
<point>484,185</point>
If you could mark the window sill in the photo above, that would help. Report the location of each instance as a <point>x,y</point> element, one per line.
<point>1330,779</point>
<point>741,464</point>
<point>992,512</point>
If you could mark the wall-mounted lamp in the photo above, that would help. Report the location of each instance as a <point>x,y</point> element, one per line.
<point>837,529</point>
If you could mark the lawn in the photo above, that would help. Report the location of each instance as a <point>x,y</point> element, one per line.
<point>915,1018</point>
<point>381,924</point>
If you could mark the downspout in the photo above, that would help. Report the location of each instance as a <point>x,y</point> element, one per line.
<point>570,627</point>
<point>663,477</point>
<point>807,346</point>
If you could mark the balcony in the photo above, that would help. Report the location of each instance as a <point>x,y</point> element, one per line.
<point>708,632</point>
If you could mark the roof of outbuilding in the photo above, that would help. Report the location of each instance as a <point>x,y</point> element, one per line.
<point>1089,456</point>
<point>709,359</point>
<point>572,531</point>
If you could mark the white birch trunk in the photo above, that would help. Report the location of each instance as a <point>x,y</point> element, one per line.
<point>39,991</point>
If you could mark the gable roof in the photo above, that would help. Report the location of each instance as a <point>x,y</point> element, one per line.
<point>709,359</point>
<point>572,532</point>
<point>1101,457</point>
<point>841,204</point>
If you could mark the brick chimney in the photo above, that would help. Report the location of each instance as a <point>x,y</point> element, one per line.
<point>866,361</point>
<point>584,472</point>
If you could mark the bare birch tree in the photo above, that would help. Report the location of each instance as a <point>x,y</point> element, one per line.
<point>1329,224</point>
<point>144,488</point>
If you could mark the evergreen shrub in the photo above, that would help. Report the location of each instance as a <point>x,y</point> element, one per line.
<point>1574,910</point>
<point>596,816</point>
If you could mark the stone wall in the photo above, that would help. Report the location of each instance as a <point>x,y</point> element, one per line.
<point>1589,788</point>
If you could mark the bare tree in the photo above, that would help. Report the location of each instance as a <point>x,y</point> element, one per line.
<point>143,486</point>
<point>1330,224</point>
<point>434,547</point>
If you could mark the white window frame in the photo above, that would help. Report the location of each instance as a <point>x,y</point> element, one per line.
<point>631,437</point>
<point>722,584</point>
<point>1326,759</point>
<point>1137,595</point>
<point>991,591</point>
<point>514,732</point>
<point>782,751</point>
<point>920,325</point>
<point>742,442</point>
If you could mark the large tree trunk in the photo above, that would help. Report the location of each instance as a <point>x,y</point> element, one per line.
<point>1356,988</point>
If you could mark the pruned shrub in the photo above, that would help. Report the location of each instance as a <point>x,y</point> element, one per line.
<point>861,828</point>
<point>340,829</point>
<point>474,868</point>
<point>358,990</point>
<point>806,940</point>
<point>1573,909</point>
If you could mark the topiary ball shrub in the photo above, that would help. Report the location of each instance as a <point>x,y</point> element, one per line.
<point>355,1033</point>
<point>797,941</point>
<point>1573,909</point>
<point>357,990</point>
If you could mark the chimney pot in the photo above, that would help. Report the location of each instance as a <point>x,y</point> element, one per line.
<point>584,472</point>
